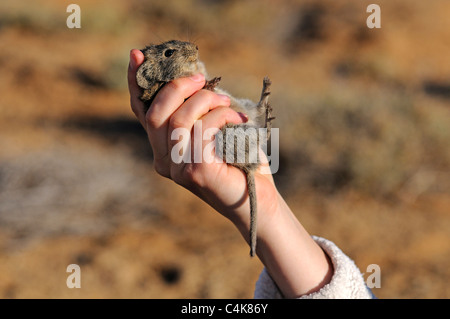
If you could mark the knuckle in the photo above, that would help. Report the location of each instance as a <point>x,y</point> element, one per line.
<point>176,85</point>
<point>161,168</point>
<point>193,175</point>
<point>208,97</point>
<point>152,119</point>
<point>177,176</point>
<point>177,122</point>
<point>136,106</point>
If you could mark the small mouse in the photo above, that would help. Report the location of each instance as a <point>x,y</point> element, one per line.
<point>175,59</point>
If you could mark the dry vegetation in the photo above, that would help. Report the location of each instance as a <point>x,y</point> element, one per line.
<point>365,144</point>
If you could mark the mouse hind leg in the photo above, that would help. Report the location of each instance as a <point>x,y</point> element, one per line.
<point>211,84</point>
<point>264,106</point>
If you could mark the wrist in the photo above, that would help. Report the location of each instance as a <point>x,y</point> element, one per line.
<point>270,205</point>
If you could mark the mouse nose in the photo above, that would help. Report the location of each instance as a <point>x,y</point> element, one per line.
<point>196,47</point>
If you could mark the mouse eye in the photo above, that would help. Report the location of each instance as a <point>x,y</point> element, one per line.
<point>168,53</point>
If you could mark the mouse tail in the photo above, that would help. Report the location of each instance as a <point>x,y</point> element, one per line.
<point>253,209</point>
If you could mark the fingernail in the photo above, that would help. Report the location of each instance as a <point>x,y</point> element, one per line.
<point>243,116</point>
<point>197,77</point>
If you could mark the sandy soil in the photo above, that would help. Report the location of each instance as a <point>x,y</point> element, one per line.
<point>368,111</point>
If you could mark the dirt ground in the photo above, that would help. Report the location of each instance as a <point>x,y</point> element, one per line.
<point>364,118</point>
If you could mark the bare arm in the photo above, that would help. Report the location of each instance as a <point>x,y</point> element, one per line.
<point>293,259</point>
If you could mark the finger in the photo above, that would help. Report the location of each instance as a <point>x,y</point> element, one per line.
<point>171,97</point>
<point>220,117</point>
<point>167,101</point>
<point>212,122</point>
<point>193,109</point>
<point>136,59</point>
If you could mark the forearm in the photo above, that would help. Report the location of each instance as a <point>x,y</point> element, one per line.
<point>294,260</point>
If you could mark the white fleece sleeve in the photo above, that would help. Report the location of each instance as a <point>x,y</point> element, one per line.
<point>347,281</point>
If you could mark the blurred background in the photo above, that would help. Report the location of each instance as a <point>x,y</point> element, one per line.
<point>364,118</point>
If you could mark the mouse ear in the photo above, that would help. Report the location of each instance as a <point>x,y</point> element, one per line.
<point>144,77</point>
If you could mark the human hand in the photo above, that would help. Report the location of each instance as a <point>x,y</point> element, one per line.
<point>179,105</point>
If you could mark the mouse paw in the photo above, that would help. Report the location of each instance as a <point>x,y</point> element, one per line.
<point>211,84</point>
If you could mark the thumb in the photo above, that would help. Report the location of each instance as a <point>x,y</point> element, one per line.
<point>136,59</point>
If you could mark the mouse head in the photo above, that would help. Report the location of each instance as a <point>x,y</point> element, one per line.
<point>167,61</point>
